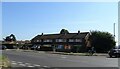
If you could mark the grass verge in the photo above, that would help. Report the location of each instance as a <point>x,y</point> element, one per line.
<point>75,54</point>
<point>4,62</point>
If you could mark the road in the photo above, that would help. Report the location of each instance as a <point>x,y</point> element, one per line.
<point>41,59</point>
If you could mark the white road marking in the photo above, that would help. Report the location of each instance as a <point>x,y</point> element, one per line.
<point>14,63</point>
<point>27,63</point>
<point>22,64</point>
<point>19,62</point>
<point>30,66</point>
<point>37,65</point>
<point>45,66</point>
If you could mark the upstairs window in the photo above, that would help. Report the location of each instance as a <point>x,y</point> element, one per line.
<point>38,40</point>
<point>60,40</point>
<point>48,40</point>
<point>78,40</point>
<point>71,40</point>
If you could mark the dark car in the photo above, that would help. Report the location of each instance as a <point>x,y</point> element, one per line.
<point>34,47</point>
<point>24,47</point>
<point>115,52</point>
<point>38,47</point>
<point>2,47</point>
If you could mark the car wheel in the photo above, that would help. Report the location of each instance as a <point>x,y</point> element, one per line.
<point>110,56</point>
<point>116,56</point>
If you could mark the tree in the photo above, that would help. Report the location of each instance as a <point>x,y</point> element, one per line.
<point>102,41</point>
<point>64,31</point>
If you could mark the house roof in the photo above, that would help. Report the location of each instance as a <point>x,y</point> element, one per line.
<point>61,36</point>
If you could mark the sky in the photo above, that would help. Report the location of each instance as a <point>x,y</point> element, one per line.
<point>27,19</point>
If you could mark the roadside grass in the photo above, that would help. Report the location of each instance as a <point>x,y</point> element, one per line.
<point>4,62</point>
<point>79,54</point>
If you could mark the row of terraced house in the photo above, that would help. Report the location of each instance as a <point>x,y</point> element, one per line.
<point>64,41</point>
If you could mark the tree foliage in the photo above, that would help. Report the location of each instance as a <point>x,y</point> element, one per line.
<point>64,31</point>
<point>102,41</point>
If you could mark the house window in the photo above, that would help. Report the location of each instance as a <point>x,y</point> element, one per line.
<point>60,40</point>
<point>60,47</point>
<point>47,40</point>
<point>71,40</point>
<point>38,40</point>
<point>78,40</point>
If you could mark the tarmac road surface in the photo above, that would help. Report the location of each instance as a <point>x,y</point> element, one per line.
<point>35,59</point>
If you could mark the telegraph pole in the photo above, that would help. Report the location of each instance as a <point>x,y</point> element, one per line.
<point>114,30</point>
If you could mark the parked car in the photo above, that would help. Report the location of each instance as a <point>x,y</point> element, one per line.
<point>3,47</point>
<point>34,47</point>
<point>14,47</point>
<point>38,47</point>
<point>114,52</point>
<point>24,47</point>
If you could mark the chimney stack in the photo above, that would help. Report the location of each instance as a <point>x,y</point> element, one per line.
<point>42,34</point>
<point>78,31</point>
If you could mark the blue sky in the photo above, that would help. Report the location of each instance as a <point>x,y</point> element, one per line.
<point>28,19</point>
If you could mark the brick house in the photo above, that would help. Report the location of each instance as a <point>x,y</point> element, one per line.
<point>69,42</point>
